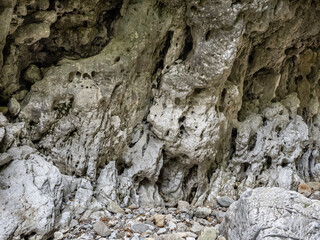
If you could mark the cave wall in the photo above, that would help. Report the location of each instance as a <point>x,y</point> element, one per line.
<point>149,102</point>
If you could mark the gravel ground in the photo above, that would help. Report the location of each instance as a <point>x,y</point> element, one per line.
<point>183,222</point>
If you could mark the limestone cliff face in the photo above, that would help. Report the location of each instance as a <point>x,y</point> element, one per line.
<point>152,101</point>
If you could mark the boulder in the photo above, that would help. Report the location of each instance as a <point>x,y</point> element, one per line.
<point>30,198</point>
<point>272,213</point>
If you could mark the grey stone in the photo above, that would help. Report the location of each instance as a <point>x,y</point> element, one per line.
<point>101,229</point>
<point>202,212</point>
<point>208,233</point>
<point>225,201</point>
<point>58,235</point>
<point>181,227</point>
<point>33,198</point>
<point>13,107</point>
<point>33,74</point>
<point>139,227</point>
<point>196,227</point>
<point>161,231</point>
<point>272,212</point>
<point>183,206</point>
<point>172,225</point>
<point>114,207</point>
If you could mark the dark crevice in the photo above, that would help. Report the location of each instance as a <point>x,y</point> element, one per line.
<point>163,52</point>
<point>188,44</point>
<point>252,142</point>
<point>234,134</point>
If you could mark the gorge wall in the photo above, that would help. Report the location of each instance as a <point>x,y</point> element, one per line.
<point>110,102</point>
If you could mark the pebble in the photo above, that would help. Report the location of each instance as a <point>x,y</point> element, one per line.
<point>101,229</point>
<point>225,201</point>
<point>304,189</point>
<point>181,227</point>
<point>196,227</point>
<point>159,220</point>
<point>208,233</point>
<point>183,206</point>
<point>114,208</point>
<point>202,212</point>
<point>172,225</point>
<point>146,223</point>
<point>162,231</point>
<point>139,227</point>
<point>13,107</point>
<point>58,235</point>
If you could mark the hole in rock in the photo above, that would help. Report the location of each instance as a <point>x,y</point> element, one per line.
<point>208,35</point>
<point>252,142</point>
<point>117,59</point>
<point>198,90</point>
<point>181,119</point>
<point>268,162</point>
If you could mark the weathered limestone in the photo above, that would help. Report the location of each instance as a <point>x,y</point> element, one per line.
<point>154,102</point>
<point>31,197</point>
<point>272,213</point>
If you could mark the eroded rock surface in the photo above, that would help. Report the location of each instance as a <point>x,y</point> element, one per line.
<point>151,102</point>
<point>272,213</point>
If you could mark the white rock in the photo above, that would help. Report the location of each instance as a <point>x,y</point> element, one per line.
<point>32,200</point>
<point>101,229</point>
<point>266,212</point>
<point>58,235</point>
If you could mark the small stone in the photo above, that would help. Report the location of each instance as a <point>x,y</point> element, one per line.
<point>225,201</point>
<point>172,225</point>
<point>304,189</point>
<point>315,186</point>
<point>13,107</point>
<point>133,206</point>
<point>101,229</point>
<point>162,231</point>
<point>190,238</point>
<point>181,227</point>
<point>202,212</point>
<point>183,206</point>
<point>20,95</point>
<point>196,227</point>
<point>208,233</point>
<point>58,235</point>
<point>221,238</point>
<point>168,217</point>
<point>33,74</point>
<point>159,220</point>
<point>114,207</point>
<point>139,227</point>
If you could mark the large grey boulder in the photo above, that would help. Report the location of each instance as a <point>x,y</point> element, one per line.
<point>272,213</point>
<point>30,198</point>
